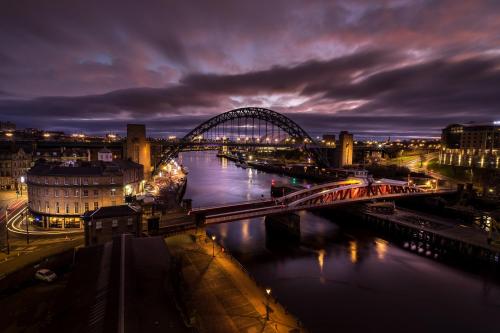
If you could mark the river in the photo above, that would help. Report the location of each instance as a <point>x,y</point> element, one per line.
<point>342,278</point>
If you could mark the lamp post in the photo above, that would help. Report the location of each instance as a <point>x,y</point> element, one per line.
<point>7,228</point>
<point>213,246</point>
<point>268,294</point>
<point>22,184</point>
<point>26,221</point>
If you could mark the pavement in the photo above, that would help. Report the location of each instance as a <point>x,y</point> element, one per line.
<point>221,296</point>
<point>9,197</point>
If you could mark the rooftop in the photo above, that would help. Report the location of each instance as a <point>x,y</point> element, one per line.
<point>82,168</point>
<point>112,211</point>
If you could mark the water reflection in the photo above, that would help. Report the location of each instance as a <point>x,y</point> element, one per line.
<point>244,230</point>
<point>393,290</point>
<point>353,250</point>
<point>381,248</point>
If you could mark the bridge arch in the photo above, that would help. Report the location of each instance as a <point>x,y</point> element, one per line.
<point>277,119</point>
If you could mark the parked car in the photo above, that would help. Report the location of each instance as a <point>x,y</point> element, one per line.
<point>45,274</point>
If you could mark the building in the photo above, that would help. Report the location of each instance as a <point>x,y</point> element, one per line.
<point>125,285</point>
<point>7,126</point>
<point>138,148</point>
<point>59,193</point>
<point>15,162</point>
<point>473,145</point>
<point>328,139</point>
<point>104,223</point>
<point>345,149</point>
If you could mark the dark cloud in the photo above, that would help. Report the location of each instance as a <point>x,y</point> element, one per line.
<point>96,65</point>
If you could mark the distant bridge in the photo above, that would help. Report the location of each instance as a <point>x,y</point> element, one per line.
<point>351,190</point>
<point>248,126</point>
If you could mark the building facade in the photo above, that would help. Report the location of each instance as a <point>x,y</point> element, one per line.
<point>15,161</point>
<point>138,148</point>
<point>471,146</point>
<point>102,224</point>
<point>59,193</point>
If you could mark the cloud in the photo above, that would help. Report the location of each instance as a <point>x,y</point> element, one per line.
<point>78,64</point>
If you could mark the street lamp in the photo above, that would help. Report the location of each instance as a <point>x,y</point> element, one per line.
<point>22,184</point>
<point>268,294</point>
<point>213,246</point>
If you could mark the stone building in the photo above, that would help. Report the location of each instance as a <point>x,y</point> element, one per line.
<point>104,223</point>
<point>344,150</point>
<point>15,161</point>
<point>138,148</point>
<point>59,193</point>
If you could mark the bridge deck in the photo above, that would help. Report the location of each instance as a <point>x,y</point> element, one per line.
<point>239,211</point>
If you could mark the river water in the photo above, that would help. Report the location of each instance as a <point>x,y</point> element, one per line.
<point>342,278</point>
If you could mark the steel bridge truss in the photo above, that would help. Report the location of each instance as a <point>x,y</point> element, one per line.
<point>234,118</point>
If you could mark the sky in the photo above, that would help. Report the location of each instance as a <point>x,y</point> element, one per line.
<point>374,67</point>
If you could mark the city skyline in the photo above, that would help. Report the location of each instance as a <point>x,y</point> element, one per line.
<point>378,69</point>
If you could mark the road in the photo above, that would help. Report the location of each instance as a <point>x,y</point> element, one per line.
<point>41,243</point>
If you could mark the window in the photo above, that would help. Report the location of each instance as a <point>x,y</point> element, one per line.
<point>56,192</point>
<point>56,181</point>
<point>85,181</point>
<point>46,192</point>
<point>129,221</point>
<point>66,193</point>
<point>86,206</point>
<point>65,181</point>
<point>67,208</point>
<point>113,192</point>
<point>46,180</point>
<point>96,193</point>
<point>98,224</point>
<point>85,193</point>
<point>77,193</point>
<point>114,223</point>
<point>47,207</point>
<point>75,181</point>
<point>95,181</point>
<point>57,207</point>
<point>112,180</point>
<point>96,205</point>
<point>76,207</point>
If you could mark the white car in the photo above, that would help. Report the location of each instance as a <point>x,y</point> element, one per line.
<point>45,275</point>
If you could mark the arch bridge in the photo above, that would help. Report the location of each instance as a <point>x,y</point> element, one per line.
<point>351,190</point>
<point>247,126</point>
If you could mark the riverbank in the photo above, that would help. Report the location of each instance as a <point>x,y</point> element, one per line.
<point>219,293</point>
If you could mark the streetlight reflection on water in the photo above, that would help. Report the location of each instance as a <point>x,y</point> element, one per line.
<point>353,248</point>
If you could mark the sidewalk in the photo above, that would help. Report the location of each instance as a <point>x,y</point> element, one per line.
<point>221,296</point>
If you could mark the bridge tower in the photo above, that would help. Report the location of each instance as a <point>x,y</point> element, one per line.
<point>345,149</point>
<point>138,148</point>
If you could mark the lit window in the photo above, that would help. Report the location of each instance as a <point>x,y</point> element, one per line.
<point>85,193</point>
<point>96,205</point>
<point>114,223</point>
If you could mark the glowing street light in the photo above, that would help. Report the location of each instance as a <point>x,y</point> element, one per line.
<point>213,246</point>
<point>268,294</point>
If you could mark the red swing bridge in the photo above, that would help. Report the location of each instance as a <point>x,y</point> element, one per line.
<point>350,190</point>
